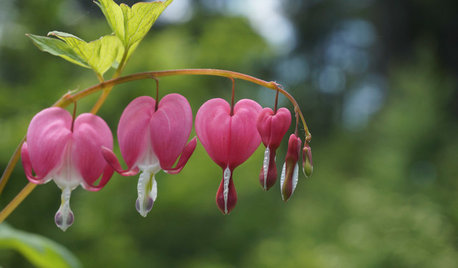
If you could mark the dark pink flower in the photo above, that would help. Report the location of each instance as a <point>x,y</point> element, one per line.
<point>290,171</point>
<point>67,152</point>
<point>272,127</point>
<point>230,139</point>
<point>151,140</point>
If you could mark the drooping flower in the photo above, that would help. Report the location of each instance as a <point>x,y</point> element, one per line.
<point>151,140</point>
<point>67,151</point>
<point>272,127</point>
<point>290,171</point>
<point>230,138</point>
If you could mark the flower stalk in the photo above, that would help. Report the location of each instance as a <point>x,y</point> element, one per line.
<point>106,87</point>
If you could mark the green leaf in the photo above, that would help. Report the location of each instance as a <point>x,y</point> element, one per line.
<point>57,48</point>
<point>99,54</point>
<point>39,250</point>
<point>132,24</point>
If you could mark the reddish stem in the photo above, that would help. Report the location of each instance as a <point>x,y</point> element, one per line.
<point>233,94</point>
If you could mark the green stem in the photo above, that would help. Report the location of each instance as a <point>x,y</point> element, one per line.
<point>16,201</point>
<point>106,91</point>
<point>10,167</point>
<point>106,86</point>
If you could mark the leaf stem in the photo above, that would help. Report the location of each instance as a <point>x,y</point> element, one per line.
<point>106,91</point>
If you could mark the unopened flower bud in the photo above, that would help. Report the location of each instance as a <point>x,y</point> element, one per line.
<point>307,162</point>
<point>290,171</point>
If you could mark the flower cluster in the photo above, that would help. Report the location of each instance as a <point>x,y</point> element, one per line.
<point>153,136</point>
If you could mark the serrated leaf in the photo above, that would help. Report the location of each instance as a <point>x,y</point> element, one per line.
<point>99,54</point>
<point>132,24</point>
<point>39,250</point>
<point>57,48</point>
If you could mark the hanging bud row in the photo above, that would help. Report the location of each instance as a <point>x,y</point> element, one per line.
<point>153,136</point>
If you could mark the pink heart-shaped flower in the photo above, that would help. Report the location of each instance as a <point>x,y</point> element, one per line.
<point>229,139</point>
<point>68,152</point>
<point>272,127</point>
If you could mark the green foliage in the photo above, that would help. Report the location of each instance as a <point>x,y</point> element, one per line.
<point>382,196</point>
<point>39,250</point>
<point>98,55</point>
<point>131,24</point>
<point>57,48</point>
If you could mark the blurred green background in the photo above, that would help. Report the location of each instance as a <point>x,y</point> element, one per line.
<point>376,80</point>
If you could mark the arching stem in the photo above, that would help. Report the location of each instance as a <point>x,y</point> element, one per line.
<point>106,87</point>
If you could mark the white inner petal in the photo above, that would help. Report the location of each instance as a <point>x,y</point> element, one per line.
<point>265,165</point>
<point>64,216</point>
<point>66,175</point>
<point>282,180</point>
<point>226,178</point>
<point>295,176</point>
<point>147,193</point>
<point>148,161</point>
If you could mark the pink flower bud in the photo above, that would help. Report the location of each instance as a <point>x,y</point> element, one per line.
<point>151,140</point>
<point>272,127</point>
<point>307,162</point>
<point>67,152</point>
<point>290,172</point>
<point>229,139</point>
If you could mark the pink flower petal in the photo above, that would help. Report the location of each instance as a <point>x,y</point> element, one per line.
<point>245,138</point>
<point>47,137</point>
<point>106,176</point>
<point>90,133</point>
<point>272,127</point>
<point>213,125</point>
<point>112,160</point>
<point>170,127</point>
<point>229,140</point>
<point>187,152</point>
<point>28,166</point>
<point>133,129</point>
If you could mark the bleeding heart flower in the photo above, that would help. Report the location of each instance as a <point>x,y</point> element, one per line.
<point>290,171</point>
<point>272,127</point>
<point>68,152</point>
<point>230,139</point>
<point>151,140</point>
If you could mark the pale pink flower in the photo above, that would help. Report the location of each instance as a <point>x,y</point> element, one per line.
<point>67,151</point>
<point>151,140</point>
